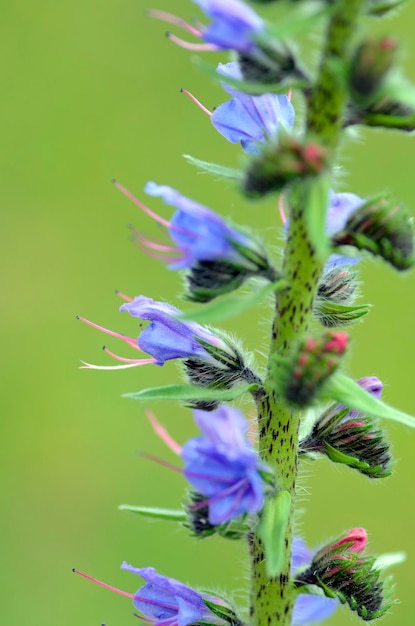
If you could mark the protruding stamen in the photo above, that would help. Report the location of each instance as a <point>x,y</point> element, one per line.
<point>125,360</point>
<point>131,342</point>
<point>195,47</point>
<point>154,245</point>
<point>196,101</point>
<point>110,587</point>
<point>289,94</point>
<point>149,212</point>
<point>281,209</point>
<point>133,596</point>
<point>176,21</point>
<point>140,205</point>
<point>123,296</point>
<point>163,434</point>
<point>91,366</point>
<point>161,462</point>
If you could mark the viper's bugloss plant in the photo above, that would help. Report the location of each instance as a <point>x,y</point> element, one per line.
<point>242,472</point>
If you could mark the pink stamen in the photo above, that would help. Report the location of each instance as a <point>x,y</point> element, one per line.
<point>161,462</point>
<point>110,587</point>
<point>125,360</point>
<point>176,21</point>
<point>196,101</point>
<point>156,255</point>
<point>281,209</point>
<point>131,342</point>
<point>144,619</point>
<point>142,206</point>
<point>149,212</point>
<point>289,94</point>
<point>91,366</point>
<point>152,244</point>
<point>195,47</point>
<point>123,296</point>
<point>163,434</point>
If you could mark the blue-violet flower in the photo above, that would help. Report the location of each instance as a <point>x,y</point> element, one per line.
<point>198,232</point>
<point>221,465</point>
<point>250,120</point>
<point>166,337</point>
<point>165,601</point>
<point>233,27</point>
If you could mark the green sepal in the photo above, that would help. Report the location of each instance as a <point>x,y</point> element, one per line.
<point>190,392</point>
<point>340,457</point>
<point>253,88</point>
<point>223,612</point>
<point>173,515</point>
<point>272,531</point>
<point>214,168</point>
<point>332,314</point>
<point>347,391</point>
<point>315,214</point>
<point>234,305</point>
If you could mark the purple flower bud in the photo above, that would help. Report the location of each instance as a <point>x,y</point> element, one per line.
<point>221,465</point>
<point>233,27</point>
<point>166,337</point>
<point>250,120</point>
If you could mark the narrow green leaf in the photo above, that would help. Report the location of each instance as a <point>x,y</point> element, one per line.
<point>214,168</point>
<point>219,310</point>
<point>316,214</point>
<point>272,531</point>
<point>348,392</point>
<point>190,392</point>
<point>175,515</point>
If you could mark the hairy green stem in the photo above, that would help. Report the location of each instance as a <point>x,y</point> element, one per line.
<point>272,600</point>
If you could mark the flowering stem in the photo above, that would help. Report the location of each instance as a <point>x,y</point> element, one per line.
<point>272,599</point>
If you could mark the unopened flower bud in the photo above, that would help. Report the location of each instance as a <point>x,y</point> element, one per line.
<point>339,285</point>
<point>372,61</point>
<point>336,293</point>
<point>278,165</point>
<point>341,571</point>
<point>381,229</point>
<point>302,376</point>
<point>349,437</point>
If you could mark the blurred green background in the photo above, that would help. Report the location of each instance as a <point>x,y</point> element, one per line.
<point>90,91</point>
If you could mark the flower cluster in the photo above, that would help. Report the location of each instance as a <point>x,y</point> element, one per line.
<point>242,473</point>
